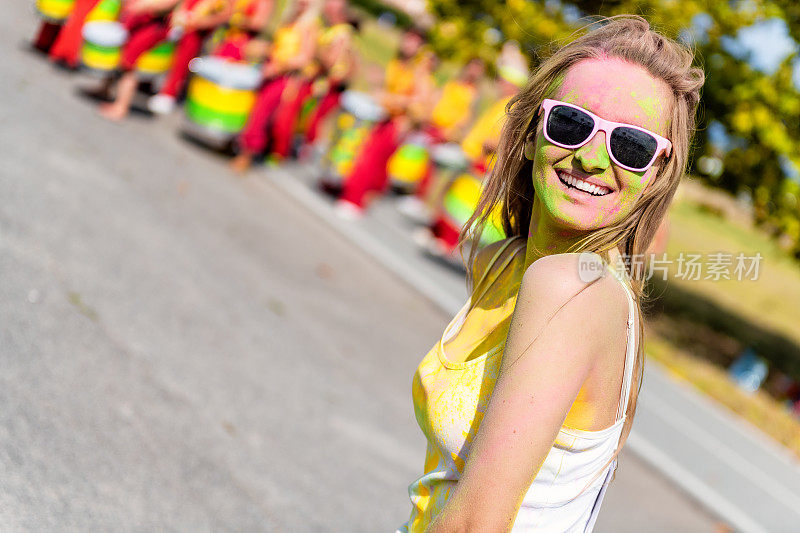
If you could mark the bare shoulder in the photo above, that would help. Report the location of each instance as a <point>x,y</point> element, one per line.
<point>552,281</point>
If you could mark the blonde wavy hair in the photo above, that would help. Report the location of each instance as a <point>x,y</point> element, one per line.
<point>509,187</point>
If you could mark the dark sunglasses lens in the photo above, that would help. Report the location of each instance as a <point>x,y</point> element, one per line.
<point>632,147</point>
<point>567,125</point>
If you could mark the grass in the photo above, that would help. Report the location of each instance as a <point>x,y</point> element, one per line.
<point>761,313</point>
<point>772,301</point>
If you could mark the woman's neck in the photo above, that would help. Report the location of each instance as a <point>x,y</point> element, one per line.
<point>545,237</point>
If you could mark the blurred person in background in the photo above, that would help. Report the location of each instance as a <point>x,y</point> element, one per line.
<point>292,50</point>
<point>452,110</point>
<point>149,23</point>
<point>479,146</point>
<point>525,418</point>
<point>336,57</point>
<point>247,23</point>
<point>456,103</point>
<point>332,64</point>
<point>67,46</point>
<point>368,174</point>
<point>480,142</point>
<point>197,20</point>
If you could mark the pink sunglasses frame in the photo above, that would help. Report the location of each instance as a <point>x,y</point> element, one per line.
<point>606,126</point>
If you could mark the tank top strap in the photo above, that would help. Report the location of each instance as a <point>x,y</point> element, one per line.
<point>489,266</point>
<point>630,351</point>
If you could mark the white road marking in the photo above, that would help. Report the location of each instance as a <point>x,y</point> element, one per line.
<point>685,479</point>
<point>724,453</point>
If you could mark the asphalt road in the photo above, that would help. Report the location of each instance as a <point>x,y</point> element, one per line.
<point>186,350</point>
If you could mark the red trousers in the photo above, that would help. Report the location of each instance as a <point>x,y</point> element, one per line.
<point>67,47</point>
<point>48,33</point>
<point>445,232</point>
<point>287,115</point>
<point>253,138</point>
<point>326,105</point>
<point>186,49</point>
<point>145,33</point>
<point>369,169</point>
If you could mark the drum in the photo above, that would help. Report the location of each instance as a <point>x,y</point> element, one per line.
<point>55,11</point>
<point>105,11</point>
<point>358,112</point>
<point>408,164</point>
<point>220,96</point>
<point>460,201</point>
<point>157,60</point>
<point>450,156</point>
<point>102,44</point>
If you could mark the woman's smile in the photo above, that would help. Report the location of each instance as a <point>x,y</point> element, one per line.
<point>582,183</point>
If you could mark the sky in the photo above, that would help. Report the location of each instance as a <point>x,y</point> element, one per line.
<point>766,42</point>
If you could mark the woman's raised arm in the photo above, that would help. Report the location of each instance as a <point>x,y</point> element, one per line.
<point>560,325</point>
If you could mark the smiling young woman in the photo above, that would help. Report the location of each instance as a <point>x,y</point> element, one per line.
<point>531,392</point>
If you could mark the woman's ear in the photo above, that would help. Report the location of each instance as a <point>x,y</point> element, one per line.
<point>528,149</point>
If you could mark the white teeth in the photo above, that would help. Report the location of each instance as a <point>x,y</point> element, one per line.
<point>584,186</point>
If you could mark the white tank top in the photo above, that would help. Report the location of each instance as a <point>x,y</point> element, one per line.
<point>556,500</point>
<point>550,504</point>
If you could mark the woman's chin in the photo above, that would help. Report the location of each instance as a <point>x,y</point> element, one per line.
<point>577,217</point>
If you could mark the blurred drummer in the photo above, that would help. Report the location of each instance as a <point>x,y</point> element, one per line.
<point>67,46</point>
<point>454,108</point>
<point>333,56</point>
<point>368,173</point>
<point>480,143</point>
<point>292,50</point>
<point>248,21</point>
<point>456,104</point>
<point>335,64</point>
<point>148,24</point>
<point>196,20</point>
<point>481,140</point>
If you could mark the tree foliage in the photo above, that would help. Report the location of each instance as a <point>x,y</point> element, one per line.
<point>749,118</point>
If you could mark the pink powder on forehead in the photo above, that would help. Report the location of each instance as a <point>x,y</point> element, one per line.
<point>618,89</point>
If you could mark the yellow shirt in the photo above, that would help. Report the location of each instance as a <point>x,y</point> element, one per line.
<point>399,77</point>
<point>487,128</point>
<point>241,10</point>
<point>451,397</point>
<point>333,35</point>
<point>286,43</point>
<point>455,105</point>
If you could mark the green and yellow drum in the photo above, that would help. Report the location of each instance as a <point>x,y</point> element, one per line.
<point>359,111</point>
<point>461,200</point>
<point>220,97</point>
<point>102,45</point>
<point>408,164</point>
<point>157,60</point>
<point>55,11</point>
<point>105,11</point>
